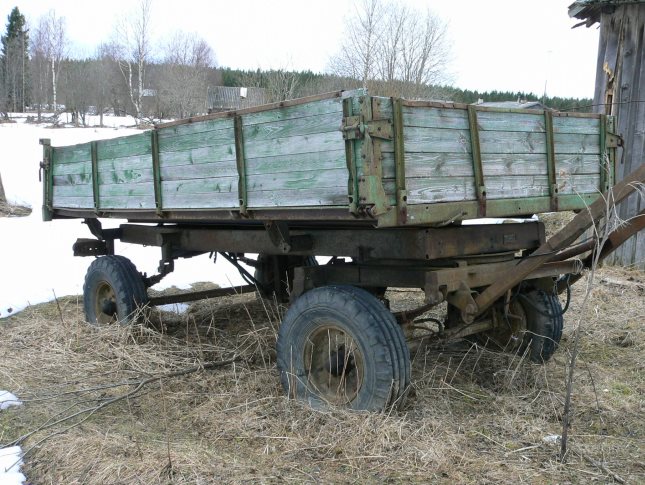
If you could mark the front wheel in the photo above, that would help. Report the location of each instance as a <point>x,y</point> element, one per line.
<point>532,325</point>
<point>339,345</point>
<point>113,291</point>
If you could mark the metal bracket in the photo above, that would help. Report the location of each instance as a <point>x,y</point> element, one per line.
<point>355,128</point>
<point>279,235</point>
<point>613,141</point>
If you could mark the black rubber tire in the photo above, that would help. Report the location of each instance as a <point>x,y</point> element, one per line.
<point>539,334</point>
<point>397,337</point>
<point>544,324</point>
<point>264,275</point>
<point>371,327</point>
<point>118,276</point>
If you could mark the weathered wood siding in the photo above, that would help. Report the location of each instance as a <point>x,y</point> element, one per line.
<point>620,91</point>
<point>295,156</point>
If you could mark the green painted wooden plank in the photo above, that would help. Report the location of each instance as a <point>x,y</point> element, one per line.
<point>216,200</point>
<point>199,186</point>
<point>308,125</point>
<point>85,190</point>
<point>71,154</point>
<point>211,154</point>
<point>64,202</point>
<point>125,163</point>
<point>200,171</point>
<point>127,190</point>
<point>585,126</point>
<point>522,122</point>
<point>578,184</point>
<point>73,179</point>
<point>327,160</point>
<point>460,165</point>
<point>126,176</point>
<point>124,147</point>
<point>72,168</point>
<point>435,141</point>
<point>299,198</point>
<point>322,107</point>
<point>196,140</point>
<point>196,127</point>
<point>121,202</point>
<point>319,142</point>
<point>425,117</point>
<point>576,143</point>
<point>312,179</point>
<point>440,189</point>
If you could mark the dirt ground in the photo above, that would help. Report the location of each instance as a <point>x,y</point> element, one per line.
<point>472,416</point>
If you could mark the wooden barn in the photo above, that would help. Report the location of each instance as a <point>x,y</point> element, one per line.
<point>620,91</point>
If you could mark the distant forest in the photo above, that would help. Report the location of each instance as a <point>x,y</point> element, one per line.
<point>130,75</point>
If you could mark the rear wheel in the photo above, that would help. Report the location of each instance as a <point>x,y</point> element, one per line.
<point>113,291</point>
<point>533,325</point>
<point>339,345</point>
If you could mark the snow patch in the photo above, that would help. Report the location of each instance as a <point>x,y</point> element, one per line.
<point>7,400</point>
<point>38,263</point>
<point>10,463</point>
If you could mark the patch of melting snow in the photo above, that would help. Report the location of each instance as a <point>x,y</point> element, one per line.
<point>7,399</point>
<point>10,457</point>
<point>178,308</point>
<point>10,463</point>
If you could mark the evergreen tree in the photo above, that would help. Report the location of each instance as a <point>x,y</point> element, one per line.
<point>14,63</point>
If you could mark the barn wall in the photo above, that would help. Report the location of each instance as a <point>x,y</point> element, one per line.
<point>621,74</point>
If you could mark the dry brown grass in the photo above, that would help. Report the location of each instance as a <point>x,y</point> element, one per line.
<point>473,416</point>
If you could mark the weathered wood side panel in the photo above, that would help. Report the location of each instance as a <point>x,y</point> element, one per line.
<point>197,165</point>
<point>72,174</point>
<point>295,156</point>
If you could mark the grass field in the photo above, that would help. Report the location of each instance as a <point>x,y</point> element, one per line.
<point>472,416</point>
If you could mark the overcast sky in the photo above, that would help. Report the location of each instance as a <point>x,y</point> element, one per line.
<point>515,45</point>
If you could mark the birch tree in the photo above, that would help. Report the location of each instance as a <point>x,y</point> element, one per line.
<point>50,42</point>
<point>133,51</point>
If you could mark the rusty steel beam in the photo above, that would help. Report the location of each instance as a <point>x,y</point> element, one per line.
<point>548,251</point>
<point>199,295</point>
<point>614,241</point>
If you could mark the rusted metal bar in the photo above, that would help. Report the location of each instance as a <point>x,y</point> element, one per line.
<point>95,176</point>
<point>550,159</point>
<point>156,171</point>
<point>199,295</point>
<point>548,251</point>
<point>241,163</point>
<point>399,162</point>
<point>478,171</point>
<point>614,241</point>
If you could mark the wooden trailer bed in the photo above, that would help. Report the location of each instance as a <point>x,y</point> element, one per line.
<point>342,156</point>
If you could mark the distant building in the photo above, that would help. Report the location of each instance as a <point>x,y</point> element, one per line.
<point>620,91</point>
<point>224,98</point>
<point>514,104</point>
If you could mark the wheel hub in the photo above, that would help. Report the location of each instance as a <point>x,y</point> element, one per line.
<point>334,364</point>
<point>106,309</point>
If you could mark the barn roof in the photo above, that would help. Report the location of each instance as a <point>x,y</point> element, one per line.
<point>589,10</point>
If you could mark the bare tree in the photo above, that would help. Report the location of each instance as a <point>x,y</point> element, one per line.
<point>393,50</point>
<point>132,49</point>
<point>356,58</point>
<point>50,46</point>
<point>184,79</point>
<point>281,85</point>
